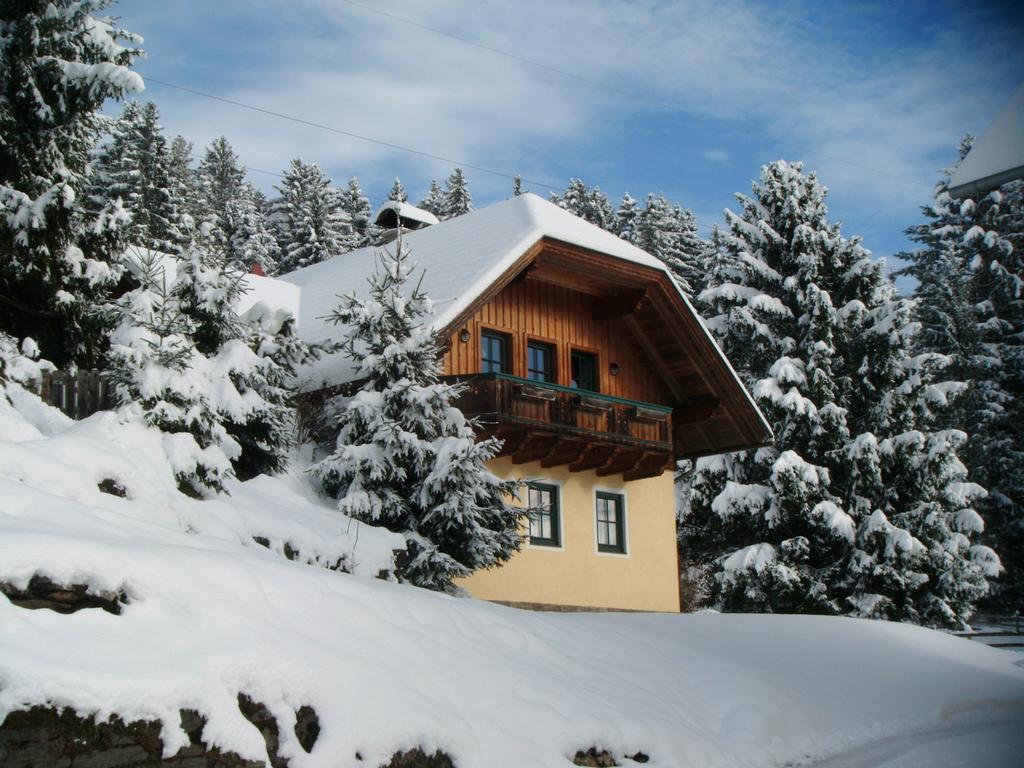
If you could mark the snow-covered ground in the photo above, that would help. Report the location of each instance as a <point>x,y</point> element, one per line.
<point>210,614</point>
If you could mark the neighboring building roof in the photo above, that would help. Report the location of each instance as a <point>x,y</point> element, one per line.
<point>405,213</point>
<point>461,258</point>
<point>997,156</point>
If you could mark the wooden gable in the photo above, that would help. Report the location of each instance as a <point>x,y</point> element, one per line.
<point>627,314</point>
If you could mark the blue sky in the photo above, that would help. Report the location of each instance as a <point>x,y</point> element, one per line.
<point>687,98</point>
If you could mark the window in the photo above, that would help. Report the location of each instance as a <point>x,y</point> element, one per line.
<point>543,500</point>
<point>610,514</point>
<point>584,370</point>
<point>540,361</point>
<point>493,352</point>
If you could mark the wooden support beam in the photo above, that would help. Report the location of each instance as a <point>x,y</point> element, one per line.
<point>621,460</point>
<point>511,439</point>
<point>593,456</point>
<point>618,303</point>
<point>525,273</point>
<point>695,409</point>
<point>534,448</point>
<point>649,465</point>
<point>564,451</point>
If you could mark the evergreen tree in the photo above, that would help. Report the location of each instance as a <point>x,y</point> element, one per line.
<point>627,219</point>
<point>397,192</point>
<point>221,179</point>
<point>58,64</point>
<point>435,200</point>
<point>135,167</point>
<point>252,362</point>
<point>310,223</point>
<point>860,506</point>
<point>357,205</point>
<point>184,186</point>
<point>154,363</point>
<point>252,243</point>
<point>456,196</point>
<point>406,458</point>
<point>970,303</point>
<point>669,232</point>
<point>590,204</point>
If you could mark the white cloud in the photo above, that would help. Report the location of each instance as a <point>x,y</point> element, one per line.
<point>874,127</point>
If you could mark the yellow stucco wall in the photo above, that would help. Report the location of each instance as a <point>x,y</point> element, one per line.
<point>644,578</point>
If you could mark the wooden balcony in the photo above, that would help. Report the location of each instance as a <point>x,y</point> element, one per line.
<point>560,426</point>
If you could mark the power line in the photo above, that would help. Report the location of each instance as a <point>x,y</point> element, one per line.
<point>590,81</point>
<point>350,134</point>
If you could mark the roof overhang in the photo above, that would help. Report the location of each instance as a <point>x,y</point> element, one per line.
<point>997,156</point>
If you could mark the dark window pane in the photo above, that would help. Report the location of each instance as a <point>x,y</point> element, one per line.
<point>584,371</point>
<point>540,361</point>
<point>493,353</point>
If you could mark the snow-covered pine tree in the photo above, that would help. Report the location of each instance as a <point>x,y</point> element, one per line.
<point>590,204</point>
<point>251,362</point>
<point>859,507</point>
<point>135,167</point>
<point>357,205</point>
<point>252,243</point>
<point>184,186</point>
<point>310,224</point>
<point>59,62</point>
<point>405,457</point>
<point>457,200</point>
<point>397,192</point>
<point>970,302</point>
<point>155,364</point>
<point>220,179</point>
<point>435,200</point>
<point>627,218</point>
<point>669,232</point>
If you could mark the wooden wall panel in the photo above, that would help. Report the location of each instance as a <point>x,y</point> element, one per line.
<point>532,309</point>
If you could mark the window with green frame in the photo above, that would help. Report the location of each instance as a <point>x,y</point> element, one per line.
<point>543,502</point>
<point>610,522</point>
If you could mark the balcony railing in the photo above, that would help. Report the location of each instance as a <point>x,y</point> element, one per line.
<point>508,404</point>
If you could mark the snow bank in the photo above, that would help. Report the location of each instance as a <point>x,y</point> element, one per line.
<point>387,667</point>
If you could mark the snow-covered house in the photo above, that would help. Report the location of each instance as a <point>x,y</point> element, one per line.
<point>582,354</point>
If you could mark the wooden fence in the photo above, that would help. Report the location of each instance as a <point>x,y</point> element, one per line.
<point>997,631</point>
<point>78,394</point>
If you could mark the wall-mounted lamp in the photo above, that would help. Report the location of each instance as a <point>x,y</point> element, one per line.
<point>464,335</point>
<point>613,369</point>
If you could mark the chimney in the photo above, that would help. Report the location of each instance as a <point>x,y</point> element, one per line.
<point>393,216</point>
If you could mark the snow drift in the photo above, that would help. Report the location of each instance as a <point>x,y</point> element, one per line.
<point>210,614</point>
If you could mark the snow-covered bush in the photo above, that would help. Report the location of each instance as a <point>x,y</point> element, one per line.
<point>405,457</point>
<point>155,363</point>
<point>232,379</point>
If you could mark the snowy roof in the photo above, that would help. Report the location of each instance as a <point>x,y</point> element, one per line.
<point>997,156</point>
<point>277,294</point>
<point>406,211</point>
<point>461,258</point>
